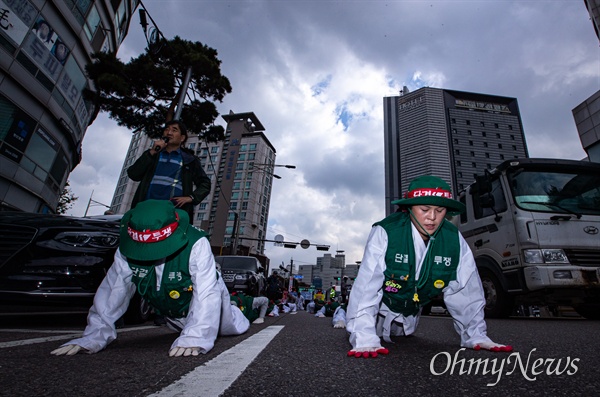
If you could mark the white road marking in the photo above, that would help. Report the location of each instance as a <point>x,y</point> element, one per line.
<point>215,376</point>
<point>55,338</point>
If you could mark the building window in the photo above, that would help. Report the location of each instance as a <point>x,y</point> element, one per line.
<point>457,152</point>
<point>474,165</point>
<point>472,154</point>
<point>496,125</point>
<point>468,122</point>
<point>485,144</point>
<point>514,147</point>
<point>487,155</point>
<point>458,163</point>
<point>243,148</point>
<point>512,137</point>
<point>453,121</point>
<point>214,149</point>
<point>499,146</point>
<point>469,132</point>
<point>498,136</point>
<point>252,147</point>
<point>470,143</point>
<point>510,127</point>
<point>481,123</point>
<point>501,157</point>
<point>455,141</point>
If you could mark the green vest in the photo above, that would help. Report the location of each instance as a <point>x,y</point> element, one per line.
<point>244,302</point>
<point>176,288</point>
<point>401,293</point>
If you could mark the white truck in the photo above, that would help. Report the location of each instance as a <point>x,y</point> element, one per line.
<point>533,226</point>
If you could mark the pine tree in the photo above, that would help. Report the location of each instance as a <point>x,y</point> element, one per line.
<point>143,93</point>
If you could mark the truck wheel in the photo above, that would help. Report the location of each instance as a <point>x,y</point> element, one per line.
<point>498,304</point>
<point>138,311</point>
<point>588,311</point>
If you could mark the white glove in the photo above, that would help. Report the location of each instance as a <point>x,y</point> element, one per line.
<point>339,324</point>
<point>259,320</point>
<point>68,350</point>
<point>319,314</point>
<point>184,351</point>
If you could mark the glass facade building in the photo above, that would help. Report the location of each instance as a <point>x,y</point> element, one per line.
<point>44,49</point>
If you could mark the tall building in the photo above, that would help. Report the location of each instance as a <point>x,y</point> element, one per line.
<point>451,134</point>
<point>587,113</point>
<point>241,168</point>
<point>328,271</point>
<point>44,49</point>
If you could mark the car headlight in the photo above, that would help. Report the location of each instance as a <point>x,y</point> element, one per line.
<point>545,256</point>
<point>88,239</point>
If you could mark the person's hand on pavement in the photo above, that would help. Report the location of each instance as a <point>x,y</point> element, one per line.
<point>368,352</point>
<point>68,350</point>
<point>184,351</point>
<point>494,347</point>
<point>339,324</point>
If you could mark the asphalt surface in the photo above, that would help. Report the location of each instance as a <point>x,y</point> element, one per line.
<point>307,357</point>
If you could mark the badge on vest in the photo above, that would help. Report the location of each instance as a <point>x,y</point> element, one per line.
<point>174,294</point>
<point>391,286</point>
<point>439,284</point>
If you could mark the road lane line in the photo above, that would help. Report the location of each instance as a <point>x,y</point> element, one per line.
<point>60,337</point>
<point>215,376</point>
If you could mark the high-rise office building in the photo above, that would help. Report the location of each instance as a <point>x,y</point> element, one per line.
<point>587,113</point>
<point>44,49</point>
<point>451,134</point>
<point>241,168</point>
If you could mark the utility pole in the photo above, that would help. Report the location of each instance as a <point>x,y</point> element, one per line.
<point>291,275</point>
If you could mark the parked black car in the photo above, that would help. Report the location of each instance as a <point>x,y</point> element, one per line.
<point>51,263</point>
<point>242,273</point>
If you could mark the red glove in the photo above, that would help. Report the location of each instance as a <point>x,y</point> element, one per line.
<point>368,352</point>
<point>493,347</point>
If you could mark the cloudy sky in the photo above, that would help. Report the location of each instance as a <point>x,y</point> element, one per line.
<point>300,65</point>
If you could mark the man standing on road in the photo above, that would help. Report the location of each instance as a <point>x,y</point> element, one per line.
<point>168,171</point>
<point>169,263</point>
<point>410,257</point>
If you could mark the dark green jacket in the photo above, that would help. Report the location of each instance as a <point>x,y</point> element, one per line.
<point>192,174</point>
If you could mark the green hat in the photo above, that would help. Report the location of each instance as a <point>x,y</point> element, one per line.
<point>154,229</point>
<point>430,190</point>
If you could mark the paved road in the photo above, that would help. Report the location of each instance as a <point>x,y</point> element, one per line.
<point>301,355</point>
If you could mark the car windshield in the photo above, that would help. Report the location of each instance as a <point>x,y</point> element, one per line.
<point>238,263</point>
<point>573,192</point>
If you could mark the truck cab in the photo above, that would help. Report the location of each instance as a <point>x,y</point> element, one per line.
<point>533,226</point>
